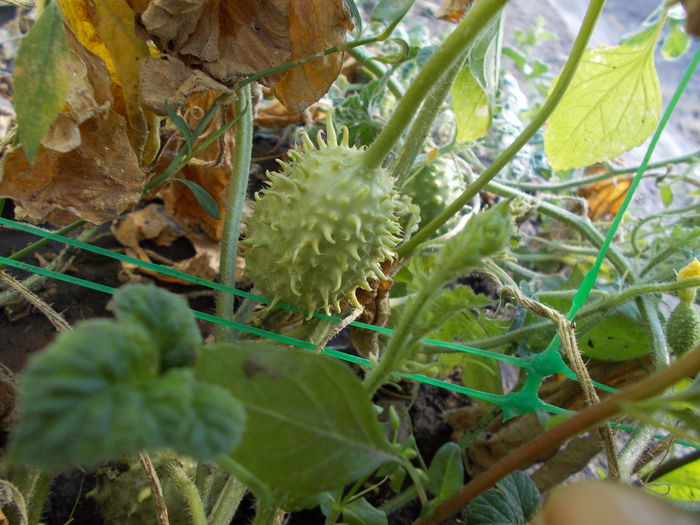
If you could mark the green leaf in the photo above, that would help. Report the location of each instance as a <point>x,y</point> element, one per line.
<point>41,80</point>
<point>311,426</point>
<point>166,316</point>
<point>611,106</point>
<point>475,87</point>
<point>620,335</point>
<point>182,127</point>
<point>471,107</point>
<point>389,11</point>
<point>446,472</point>
<point>683,483</point>
<point>361,512</point>
<point>205,200</point>
<point>513,501</point>
<point>676,43</point>
<point>95,394</point>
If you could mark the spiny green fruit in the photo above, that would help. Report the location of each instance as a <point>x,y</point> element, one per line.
<point>683,328</point>
<point>323,226</point>
<point>434,186</point>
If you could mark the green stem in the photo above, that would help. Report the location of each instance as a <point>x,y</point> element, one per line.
<point>567,74</point>
<point>42,242</point>
<point>585,312</point>
<point>38,497</point>
<point>363,57</point>
<point>450,51</point>
<point>682,242</point>
<point>584,226</point>
<point>188,491</point>
<point>228,501</point>
<point>428,112</point>
<point>235,199</point>
<point>691,158</point>
<point>397,348</point>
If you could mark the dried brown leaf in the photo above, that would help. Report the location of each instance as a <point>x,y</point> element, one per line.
<point>229,40</point>
<point>93,174</point>
<point>314,25</point>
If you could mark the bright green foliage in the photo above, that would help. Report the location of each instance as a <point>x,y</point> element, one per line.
<point>683,328</point>
<point>471,107</point>
<point>619,336</point>
<point>446,472</point>
<point>98,393</point>
<point>612,105</point>
<point>513,501</point>
<point>167,317</point>
<point>322,228</point>
<point>683,483</point>
<point>41,79</point>
<point>311,426</point>
<point>475,88</point>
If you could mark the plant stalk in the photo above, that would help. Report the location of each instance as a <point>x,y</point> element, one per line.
<point>418,132</point>
<point>228,501</point>
<point>689,365</point>
<point>567,74</point>
<point>235,199</point>
<point>449,52</point>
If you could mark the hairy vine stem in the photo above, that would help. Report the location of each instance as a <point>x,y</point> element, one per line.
<point>235,199</point>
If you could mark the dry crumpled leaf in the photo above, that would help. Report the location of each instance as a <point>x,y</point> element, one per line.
<point>453,10</point>
<point>153,223</point>
<point>605,197</point>
<point>107,28</point>
<point>98,178</point>
<point>232,39</point>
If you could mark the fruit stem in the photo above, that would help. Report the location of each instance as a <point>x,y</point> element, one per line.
<point>567,74</point>
<point>449,52</point>
<point>235,198</point>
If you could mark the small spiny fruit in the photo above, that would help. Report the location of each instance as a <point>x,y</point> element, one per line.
<point>683,328</point>
<point>323,226</point>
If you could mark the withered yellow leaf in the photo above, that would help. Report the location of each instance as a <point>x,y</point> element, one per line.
<point>605,197</point>
<point>85,167</point>
<point>106,28</point>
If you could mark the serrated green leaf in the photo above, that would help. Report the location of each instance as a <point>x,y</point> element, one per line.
<point>166,316</point>
<point>205,200</point>
<point>683,483</point>
<point>95,394</point>
<point>388,11</point>
<point>611,106</point>
<point>311,426</point>
<point>513,501</point>
<point>41,80</point>
<point>446,472</point>
<point>676,43</point>
<point>361,512</point>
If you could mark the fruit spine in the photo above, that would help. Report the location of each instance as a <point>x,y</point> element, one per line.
<point>323,226</point>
